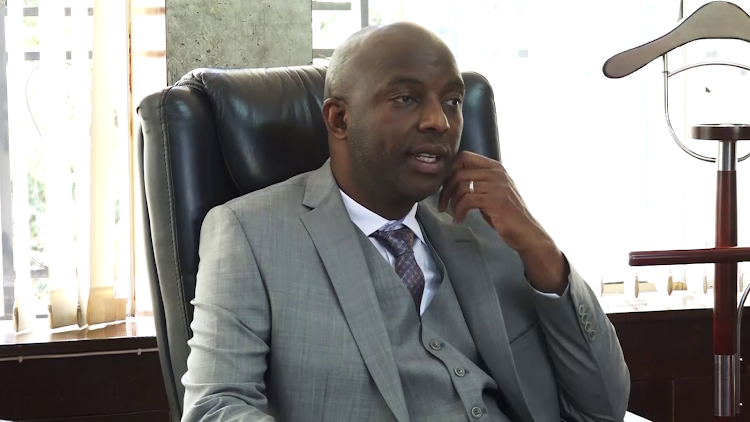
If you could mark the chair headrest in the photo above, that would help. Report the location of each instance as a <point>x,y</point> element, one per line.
<point>270,125</point>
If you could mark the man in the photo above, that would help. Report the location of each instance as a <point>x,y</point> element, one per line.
<point>401,281</point>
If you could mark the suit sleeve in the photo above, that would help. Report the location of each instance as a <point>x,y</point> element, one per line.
<point>592,377</point>
<point>231,328</point>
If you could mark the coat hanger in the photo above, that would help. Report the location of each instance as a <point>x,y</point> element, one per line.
<point>715,20</point>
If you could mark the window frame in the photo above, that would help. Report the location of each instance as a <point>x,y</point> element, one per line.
<point>6,217</point>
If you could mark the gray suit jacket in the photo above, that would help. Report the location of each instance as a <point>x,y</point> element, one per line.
<point>287,323</point>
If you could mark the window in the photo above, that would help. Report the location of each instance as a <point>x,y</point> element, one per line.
<point>75,71</point>
<point>598,167</point>
<point>333,21</point>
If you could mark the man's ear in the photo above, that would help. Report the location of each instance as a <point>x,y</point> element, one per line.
<point>335,114</point>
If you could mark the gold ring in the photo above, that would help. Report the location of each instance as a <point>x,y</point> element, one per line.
<point>471,186</point>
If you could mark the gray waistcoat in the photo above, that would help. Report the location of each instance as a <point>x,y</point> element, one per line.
<point>437,360</point>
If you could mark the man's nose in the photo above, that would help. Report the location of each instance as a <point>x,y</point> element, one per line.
<point>433,117</point>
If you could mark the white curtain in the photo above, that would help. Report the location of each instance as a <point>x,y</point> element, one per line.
<point>592,156</point>
<point>148,64</point>
<point>71,139</point>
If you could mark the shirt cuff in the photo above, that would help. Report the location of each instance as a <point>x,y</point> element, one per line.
<point>567,287</point>
<point>553,295</point>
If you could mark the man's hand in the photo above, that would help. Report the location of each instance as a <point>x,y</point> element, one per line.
<point>496,196</point>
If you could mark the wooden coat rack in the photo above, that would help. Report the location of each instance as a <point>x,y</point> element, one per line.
<point>715,20</point>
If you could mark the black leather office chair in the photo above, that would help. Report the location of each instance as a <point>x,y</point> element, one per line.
<point>217,135</point>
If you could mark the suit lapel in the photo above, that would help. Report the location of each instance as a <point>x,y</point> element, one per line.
<point>458,248</point>
<point>335,238</point>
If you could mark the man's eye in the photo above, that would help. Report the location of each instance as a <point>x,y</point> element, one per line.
<point>405,99</point>
<point>454,102</point>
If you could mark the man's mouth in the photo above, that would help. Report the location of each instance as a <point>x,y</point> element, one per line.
<point>426,158</point>
<point>430,162</point>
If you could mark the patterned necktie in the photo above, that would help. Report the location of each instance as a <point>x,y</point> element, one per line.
<point>400,243</point>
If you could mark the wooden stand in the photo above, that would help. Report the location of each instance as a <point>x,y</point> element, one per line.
<point>725,255</point>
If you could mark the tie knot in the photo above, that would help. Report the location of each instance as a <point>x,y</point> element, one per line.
<point>398,242</point>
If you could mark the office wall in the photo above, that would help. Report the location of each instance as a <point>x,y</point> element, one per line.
<point>237,33</point>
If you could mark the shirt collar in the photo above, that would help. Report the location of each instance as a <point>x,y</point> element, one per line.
<point>369,222</point>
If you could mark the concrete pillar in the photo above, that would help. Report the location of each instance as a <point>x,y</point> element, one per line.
<point>237,33</point>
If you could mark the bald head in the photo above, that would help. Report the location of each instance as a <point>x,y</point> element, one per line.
<point>392,92</point>
<point>376,47</point>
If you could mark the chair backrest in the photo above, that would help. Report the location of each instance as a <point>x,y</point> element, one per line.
<point>219,134</point>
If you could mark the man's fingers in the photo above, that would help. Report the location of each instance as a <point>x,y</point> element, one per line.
<point>448,188</point>
<point>459,180</point>
<point>470,160</point>
<point>467,203</point>
<point>444,197</point>
<point>466,167</point>
<point>481,187</point>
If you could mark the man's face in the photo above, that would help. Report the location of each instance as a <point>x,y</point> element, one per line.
<point>405,125</point>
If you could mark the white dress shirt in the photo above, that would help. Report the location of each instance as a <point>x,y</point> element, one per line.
<point>369,223</point>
